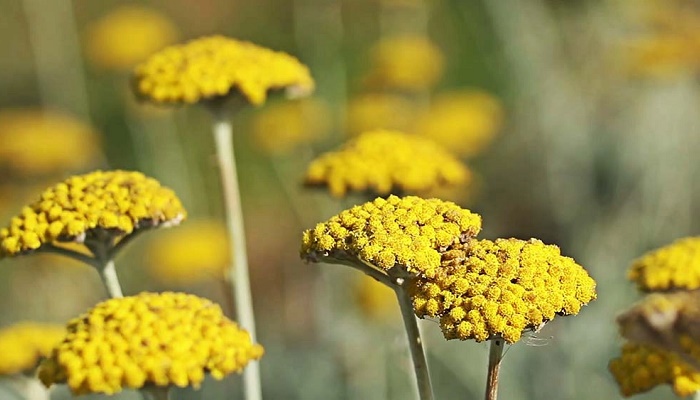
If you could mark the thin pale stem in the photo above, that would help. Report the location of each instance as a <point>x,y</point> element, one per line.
<point>495,357</point>
<point>49,248</point>
<point>696,396</point>
<point>415,343</point>
<point>238,271</point>
<point>109,277</point>
<point>27,388</point>
<point>157,393</point>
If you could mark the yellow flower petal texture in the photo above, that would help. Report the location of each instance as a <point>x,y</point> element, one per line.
<point>485,289</point>
<point>24,344</point>
<point>119,202</point>
<point>409,232</point>
<point>640,368</point>
<point>676,266</point>
<point>214,66</point>
<point>157,339</point>
<point>383,161</point>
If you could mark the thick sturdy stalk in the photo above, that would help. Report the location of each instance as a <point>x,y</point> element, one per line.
<point>495,356</point>
<point>109,277</point>
<point>415,343</point>
<point>238,271</point>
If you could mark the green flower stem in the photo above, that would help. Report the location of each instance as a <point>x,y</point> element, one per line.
<point>157,392</point>
<point>495,357</point>
<point>49,248</point>
<point>109,277</point>
<point>238,271</point>
<point>415,343</point>
<point>25,387</point>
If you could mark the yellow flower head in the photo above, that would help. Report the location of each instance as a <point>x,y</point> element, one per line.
<point>676,266</point>
<point>640,368</point>
<point>465,121</point>
<point>127,35</point>
<point>39,143</point>
<point>212,67</point>
<point>384,161</point>
<point>487,289</point>
<point>374,299</point>
<point>378,111</point>
<point>24,344</point>
<point>115,201</point>
<point>194,252</point>
<point>157,339</point>
<point>281,127</point>
<point>411,63</point>
<point>409,232</point>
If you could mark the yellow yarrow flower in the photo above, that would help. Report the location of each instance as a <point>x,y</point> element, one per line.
<point>378,111</point>
<point>279,128</point>
<point>159,339</point>
<point>213,67</point>
<point>383,161</point>
<point>676,266</point>
<point>194,252</point>
<point>40,143</point>
<point>640,368</point>
<point>407,232</point>
<point>486,289</point>
<point>465,121</point>
<point>118,202</point>
<point>24,344</point>
<point>127,35</point>
<point>409,62</point>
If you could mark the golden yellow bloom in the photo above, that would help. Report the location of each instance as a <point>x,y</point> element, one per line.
<point>40,143</point>
<point>378,111</point>
<point>193,252</point>
<point>212,67</point>
<point>464,121</point>
<point>115,201</point>
<point>127,35</point>
<point>157,339</point>
<point>375,300</point>
<point>22,345</point>
<point>409,62</point>
<point>281,127</point>
<point>408,232</point>
<point>641,368</point>
<point>676,266</point>
<point>486,289</point>
<point>384,161</point>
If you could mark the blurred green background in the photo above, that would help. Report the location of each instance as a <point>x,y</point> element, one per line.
<point>596,151</point>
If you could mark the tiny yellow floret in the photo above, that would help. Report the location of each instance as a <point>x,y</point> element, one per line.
<point>675,266</point>
<point>157,339</point>
<point>24,344</point>
<point>383,161</point>
<point>215,66</point>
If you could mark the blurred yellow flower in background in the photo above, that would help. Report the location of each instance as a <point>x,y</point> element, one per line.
<point>383,161</point>
<point>675,266</point>
<point>465,121</point>
<point>159,339</point>
<point>127,35</point>
<point>375,299</point>
<point>281,127</point>
<point>378,111</point>
<point>215,66</point>
<point>405,63</point>
<point>37,143</point>
<point>191,253</point>
<point>24,344</point>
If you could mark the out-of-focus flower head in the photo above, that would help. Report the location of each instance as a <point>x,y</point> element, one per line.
<point>668,43</point>
<point>640,368</point>
<point>215,66</point>
<point>24,344</point>
<point>159,339</point>
<point>676,266</point>
<point>281,127</point>
<point>127,35</point>
<point>408,232</point>
<point>118,202</point>
<point>374,299</point>
<point>383,162</point>
<point>405,63</point>
<point>466,121</point>
<point>191,253</point>
<point>485,289</point>
<point>378,111</point>
<point>38,143</point>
